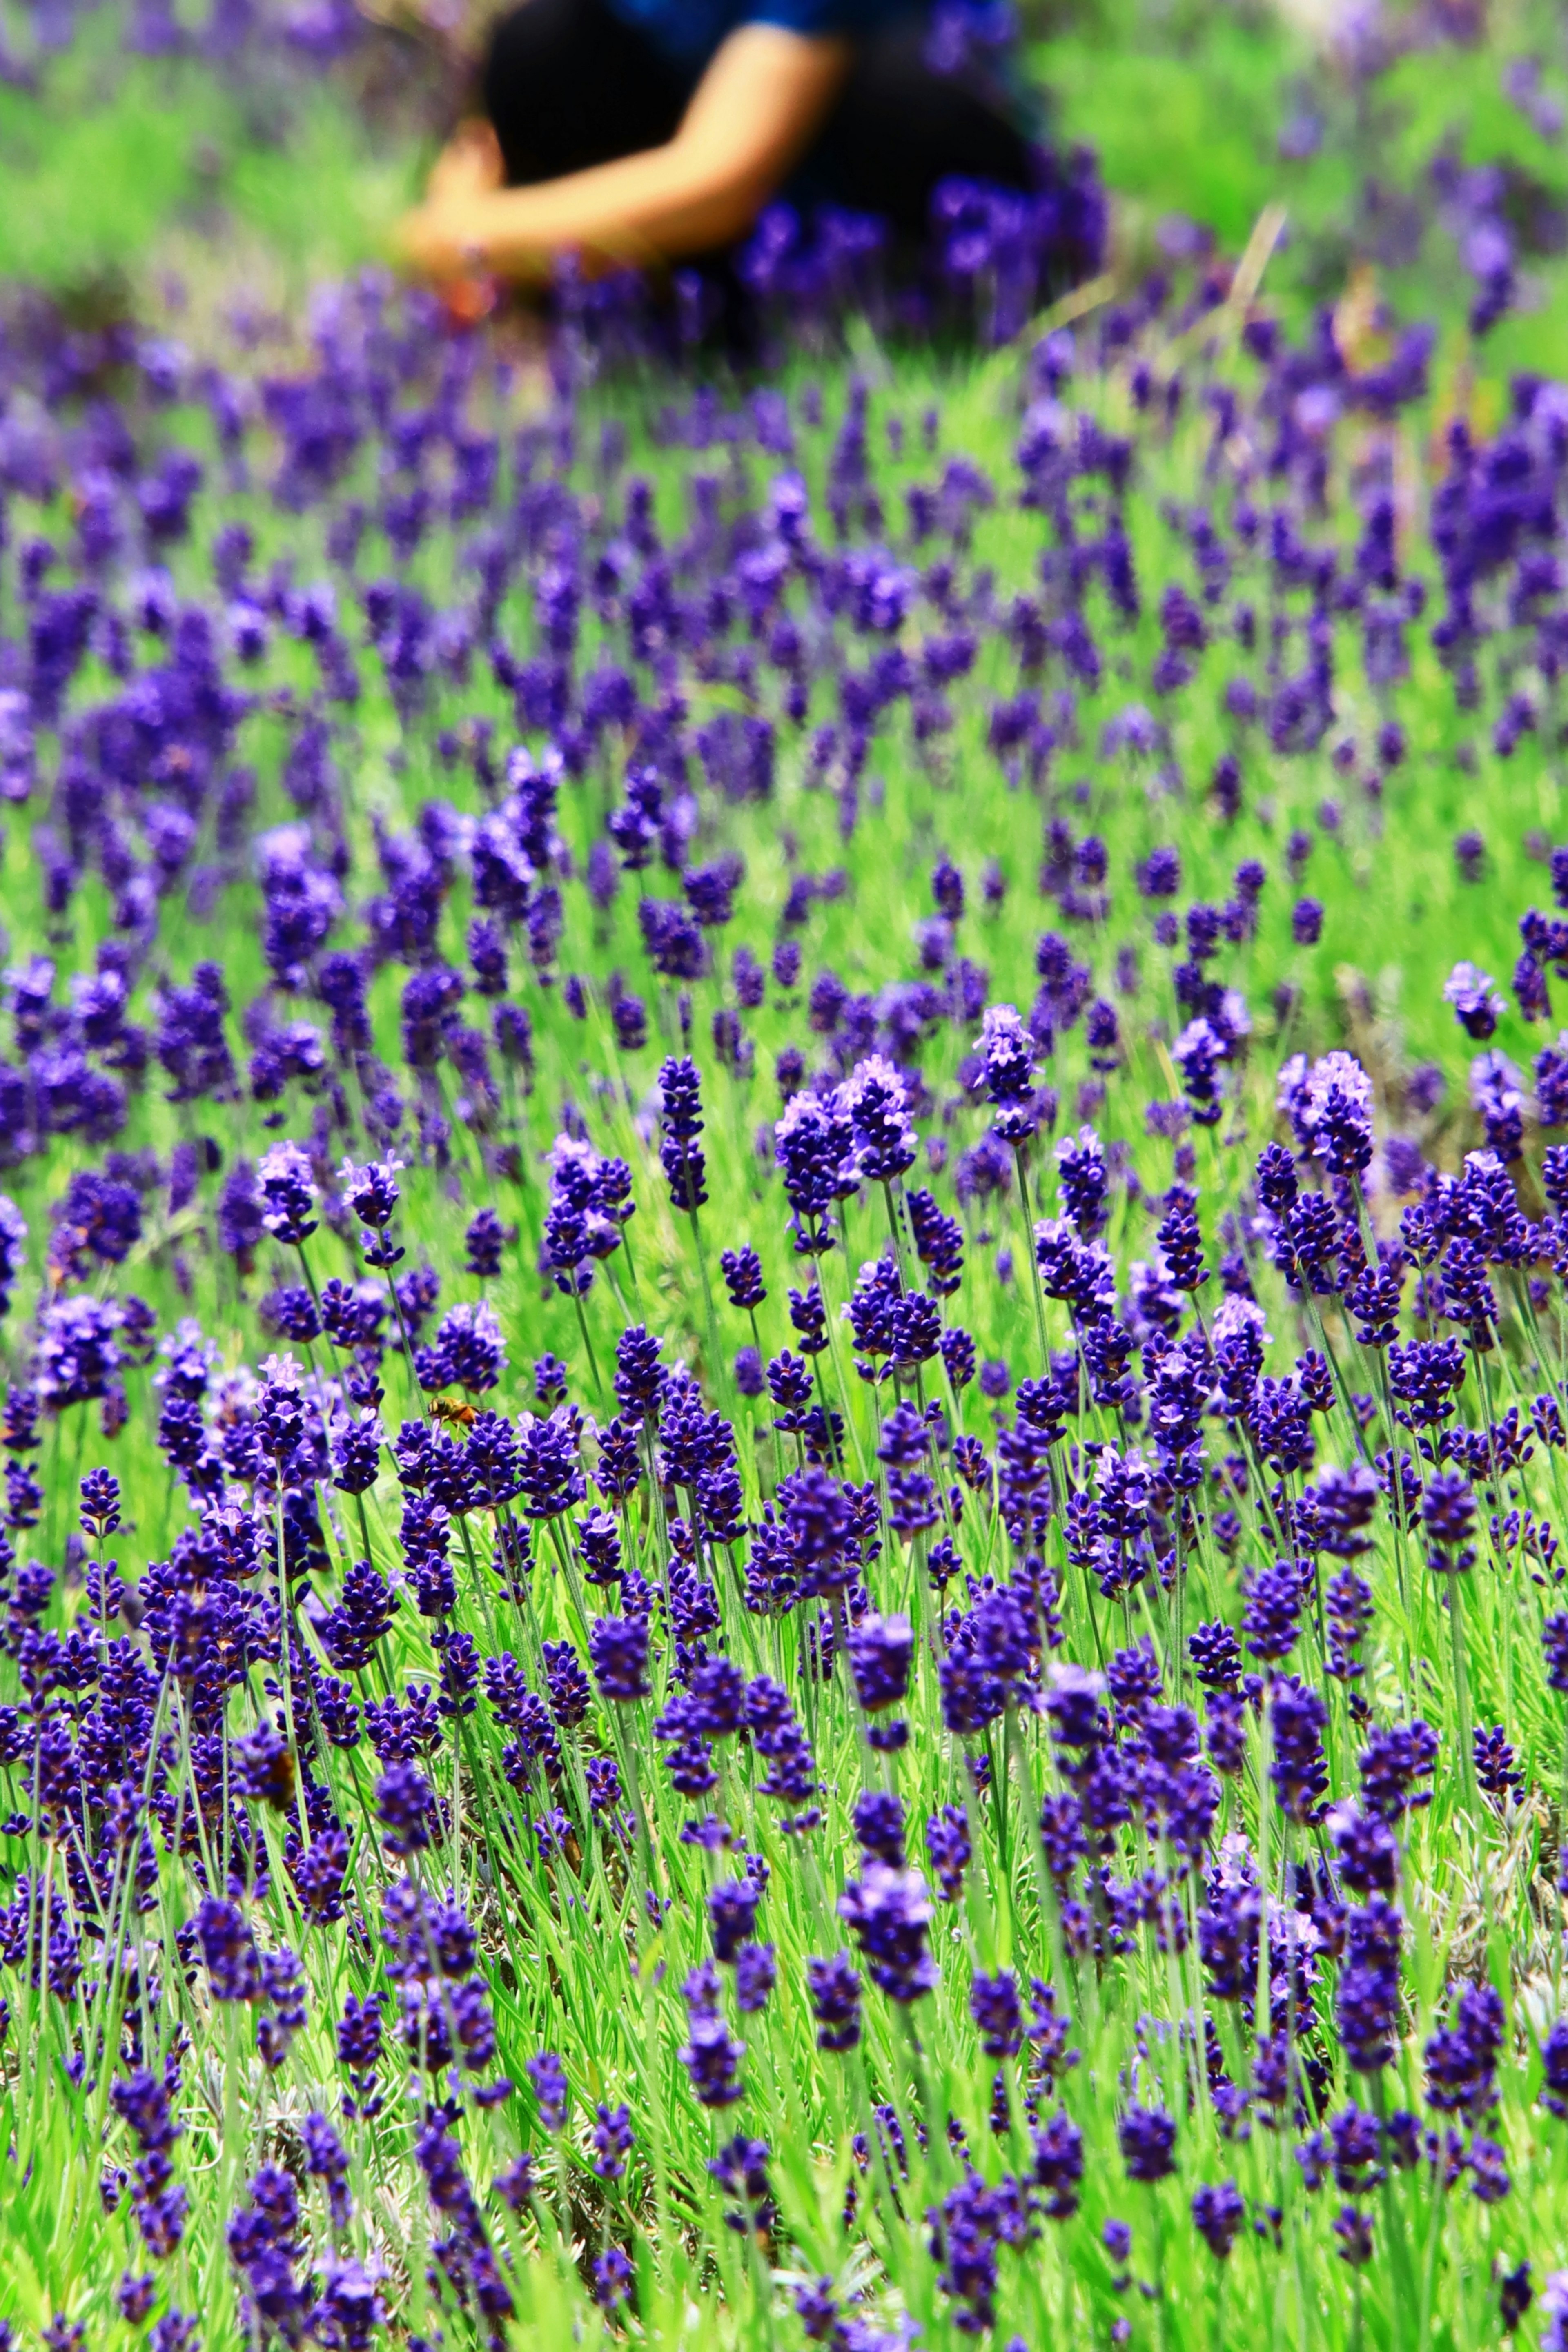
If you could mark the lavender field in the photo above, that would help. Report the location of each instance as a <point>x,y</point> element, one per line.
<point>783,1205</point>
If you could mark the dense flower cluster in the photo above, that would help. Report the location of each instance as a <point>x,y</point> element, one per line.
<point>736,1417</point>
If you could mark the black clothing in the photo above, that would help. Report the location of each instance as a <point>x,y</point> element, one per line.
<point>568,84</point>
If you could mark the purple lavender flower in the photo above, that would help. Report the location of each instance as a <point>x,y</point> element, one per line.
<point>548,2077</point>
<point>1148,2142</point>
<point>834,1986</point>
<point>1367,2003</point>
<point>287,1191</point>
<point>1334,1116</point>
<point>612,2139</point>
<point>880,1652</point>
<point>814,1148</point>
<point>228,1948</point>
<point>874,1100</point>
<point>1478,1007</point>
<point>1058,2166</point>
<point>468,1351</point>
<point>404,1805</point>
<point>743,1272</point>
<point>889,1912</point>
<point>1271,1625</point>
<point>1447,1515</point>
<point>1297,1718</point>
<point>613,2277</point>
<point>78,1354</point>
<point>994,2007</point>
<point>618,1649</point>
<point>948,1849</point>
<point>1217,2216</point>
<point>1083,1183</point>
<point>756,1972</point>
<point>1007,1057</point>
<point>711,2056</point>
<point>680,1154</point>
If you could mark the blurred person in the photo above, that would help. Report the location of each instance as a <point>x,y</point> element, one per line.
<point>645,132</point>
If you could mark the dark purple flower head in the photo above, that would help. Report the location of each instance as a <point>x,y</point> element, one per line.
<point>228,1948</point>
<point>1271,1622</point>
<point>875,1102</point>
<point>598,1539</point>
<point>948,1851</point>
<point>1160,874</point>
<point>711,2056</point>
<point>548,2077</point>
<point>1331,1107</point>
<point>880,1648</point>
<point>1367,2002</point>
<point>135,2295</point>
<point>732,1913</point>
<point>1515,2295</point>
<point>612,2140</point>
<point>743,1272</point>
<point>994,2006</point>
<point>99,1505</point>
<point>834,1987</point>
<point>888,1911</point>
<point>1147,2141</point>
<point>287,1191</point>
<point>1180,1240</point>
<point>680,1154</point>
<point>1298,1716</point>
<point>1496,1771</point>
<point>741,2170</point>
<point>618,1649</point>
<point>406,1805</point>
<point>756,1972</point>
<point>1352,2227</point>
<point>1058,2166</point>
<point>1462,2058</point>
<point>1447,1515</point>
<point>1217,2216</point>
<point>79,1352</point>
<point>814,1148</point>
<point>549,1477</point>
<point>1215,1656</point>
<point>483,1245</point>
<point>468,1351</point>
<point>1554,1641</point>
<point>566,1683</point>
<point>879,1820</point>
<point>1478,1007</point>
<point>1083,1183</point>
<point>1007,1059</point>
<point>640,1378</point>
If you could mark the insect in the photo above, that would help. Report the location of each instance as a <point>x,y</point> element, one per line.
<point>447,1409</point>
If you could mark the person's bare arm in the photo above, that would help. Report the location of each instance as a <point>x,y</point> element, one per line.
<point>751,118</point>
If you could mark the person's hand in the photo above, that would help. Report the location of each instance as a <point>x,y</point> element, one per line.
<point>469,164</point>
<point>440,241</point>
<point>443,237</point>
<point>443,240</point>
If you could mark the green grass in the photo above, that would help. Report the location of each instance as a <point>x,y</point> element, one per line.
<point>1189,130</point>
<point>123,167</point>
<point>120,163</point>
<point>1186,121</point>
<point>568,1966</point>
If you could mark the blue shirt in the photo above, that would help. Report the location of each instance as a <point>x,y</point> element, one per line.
<point>688,32</point>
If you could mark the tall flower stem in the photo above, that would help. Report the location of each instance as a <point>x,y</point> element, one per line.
<point>1034,1261</point>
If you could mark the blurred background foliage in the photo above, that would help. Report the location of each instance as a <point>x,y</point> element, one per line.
<point>1384,132</point>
